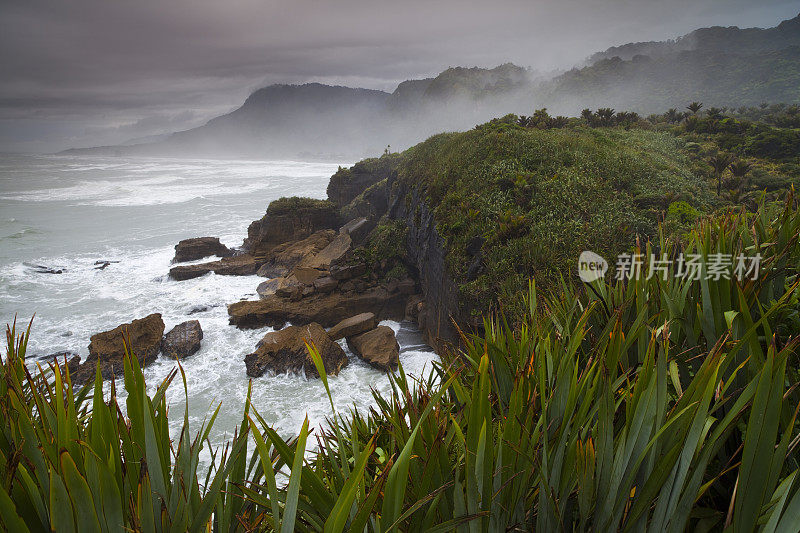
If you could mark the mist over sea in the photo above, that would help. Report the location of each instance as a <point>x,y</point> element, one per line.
<point>67,213</point>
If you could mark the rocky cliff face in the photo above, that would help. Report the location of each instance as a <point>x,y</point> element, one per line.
<point>426,251</point>
<point>383,196</point>
<point>348,183</point>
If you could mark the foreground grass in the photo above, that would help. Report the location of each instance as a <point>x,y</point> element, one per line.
<point>649,405</point>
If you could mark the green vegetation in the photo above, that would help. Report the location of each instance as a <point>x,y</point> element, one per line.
<point>761,145</point>
<point>534,191</point>
<point>294,204</point>
<point>648,404</point>
<point>536,196</point>
<point>385,249</point>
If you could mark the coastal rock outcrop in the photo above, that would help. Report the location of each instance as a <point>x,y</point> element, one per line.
<point>286,351</point>
<point>183,340</point>
<point>339,246</point>
<point>354,325</point>
<point>198,248</point>
<point>272,286</point>
<point>284,257</point>
<point>325,284</point>
<point>69,360</point>
<point>108,347</point>
<point>289,220</point>
<point>349,183</point>
<point>345,272</point>
<point>327,309</point>
<point>357,228</point>
<point>42,269</point>
<point>239,265</point>
<point>378,347</point>
<point>370,204</point>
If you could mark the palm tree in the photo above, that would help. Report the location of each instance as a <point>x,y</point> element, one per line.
<point>694,107</point>
<point>588,116</point>
<point>720,162</point>
<point>605,116</point>
<point>522,121</point>
<point>541,119</point>
<point>672,116</point>
<point>714,113</point>
<point>740,169</point>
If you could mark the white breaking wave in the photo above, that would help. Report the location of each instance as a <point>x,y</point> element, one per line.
<point>69,213</point>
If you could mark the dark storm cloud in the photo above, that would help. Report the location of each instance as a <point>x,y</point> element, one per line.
<point>93,71</point>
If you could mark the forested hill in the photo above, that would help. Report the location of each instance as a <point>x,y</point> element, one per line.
<point>652,84</point>
<point>730,39</point>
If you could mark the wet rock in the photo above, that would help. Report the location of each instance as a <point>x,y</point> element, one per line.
<point>406,286</point>
<point>354,325</point>
<point>410,338</point>
<point>339,246</point>
<point>426,255</point>
<point>198,309</point>
<point>272,286</point>
<point>101,265</point>
<point>286,351</point>
<point>289,220</point>
<point>326,284</point>
<point>325,309</point>
<point>198,248</point>
<point>307,275</point>
<point>291,291</point>
<point>183,340</point>
<point>343,272</point>
<point>377,347</point>
<point>41,269</point>
<point>108,347</point>
<point>285,257</point>
<point>358,229</point>
<point>414,305</point>
<point>240,265</point>
<point>70,360</point>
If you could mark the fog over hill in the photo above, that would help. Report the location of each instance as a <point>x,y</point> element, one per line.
<point>718,66</point>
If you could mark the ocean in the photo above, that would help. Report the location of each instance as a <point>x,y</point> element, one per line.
<point>69,212</point>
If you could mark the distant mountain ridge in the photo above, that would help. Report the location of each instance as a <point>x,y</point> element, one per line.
<point>718,66</point>
<point>731,39</point>
<point>316,120</point>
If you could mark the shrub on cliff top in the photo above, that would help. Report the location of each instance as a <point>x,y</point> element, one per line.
<point>538,198</point>
<point>293,204</point>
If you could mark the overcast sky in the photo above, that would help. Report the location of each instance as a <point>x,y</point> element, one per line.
<point>89,72</point>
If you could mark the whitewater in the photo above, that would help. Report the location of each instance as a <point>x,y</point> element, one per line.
<point>68,213</point>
